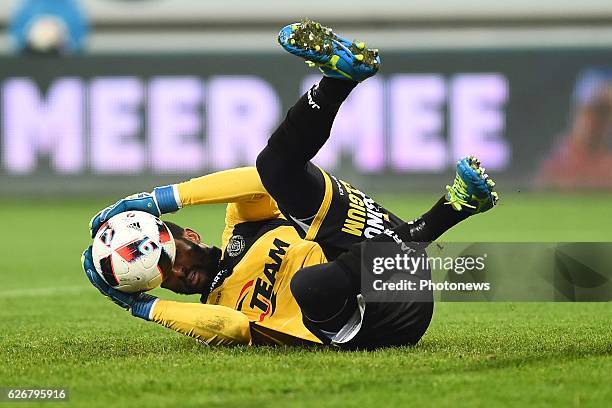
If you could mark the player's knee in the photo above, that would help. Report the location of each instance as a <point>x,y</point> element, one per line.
<point>263,164</point>
<point>302,286</point>
<point>313,287</point>
<point>270,167</point>
<point>321,290</point>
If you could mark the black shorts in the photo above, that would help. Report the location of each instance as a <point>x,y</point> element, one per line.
<point>390,323</point>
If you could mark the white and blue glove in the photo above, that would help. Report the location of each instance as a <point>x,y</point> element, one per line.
<point>162,200</point>
<point>140,304</point>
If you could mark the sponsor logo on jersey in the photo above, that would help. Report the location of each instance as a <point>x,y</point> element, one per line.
<point>218,279</point>
<point>235,246</point>
<point>364,217</point>
<point>263,296</point>
<point>244,292</point>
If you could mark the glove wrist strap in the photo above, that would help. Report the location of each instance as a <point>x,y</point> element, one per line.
<point>143,307</point>
<point>167,198</point>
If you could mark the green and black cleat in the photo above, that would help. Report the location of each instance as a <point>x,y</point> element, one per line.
<point>472,190</point>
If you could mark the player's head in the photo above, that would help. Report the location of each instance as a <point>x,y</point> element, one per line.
<point>195,263</point>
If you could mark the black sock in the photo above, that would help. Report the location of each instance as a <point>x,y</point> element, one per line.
<point>431,225</point>
<point>425,229</point>
<point>333,91</point>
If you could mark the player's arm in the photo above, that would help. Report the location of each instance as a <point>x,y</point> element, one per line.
<point>212,324</point>
<point>240,187</point>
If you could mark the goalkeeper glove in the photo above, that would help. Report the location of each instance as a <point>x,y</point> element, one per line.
<point>162,200</point>
<point>140,304</point>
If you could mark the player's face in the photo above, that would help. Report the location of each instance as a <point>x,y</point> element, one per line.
<point>195,264</point>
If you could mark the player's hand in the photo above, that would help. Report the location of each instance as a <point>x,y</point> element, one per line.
<point>161,201</point>
<point>140,304</point>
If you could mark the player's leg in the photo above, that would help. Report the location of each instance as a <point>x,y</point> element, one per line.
<point>471,193</point>
<point>284,164</point>
<point>327,296</point>
<point>327,293</point>
<point>298,186</point>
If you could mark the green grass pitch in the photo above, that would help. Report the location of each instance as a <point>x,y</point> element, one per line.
<point>57,331</point>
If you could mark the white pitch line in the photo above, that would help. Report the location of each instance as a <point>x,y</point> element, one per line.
<point>48,291</point>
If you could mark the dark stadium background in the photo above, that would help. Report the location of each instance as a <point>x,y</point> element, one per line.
<point>511,82</point>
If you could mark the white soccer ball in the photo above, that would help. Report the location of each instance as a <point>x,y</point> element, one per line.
<point>133,250</point>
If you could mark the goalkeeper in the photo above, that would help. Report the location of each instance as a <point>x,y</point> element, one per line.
<point>288,269</point>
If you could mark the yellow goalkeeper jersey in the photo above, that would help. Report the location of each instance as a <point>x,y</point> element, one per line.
<point>261,253</point>
<point>250,301</point>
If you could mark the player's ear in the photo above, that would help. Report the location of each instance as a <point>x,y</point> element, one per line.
<point>192,235</point>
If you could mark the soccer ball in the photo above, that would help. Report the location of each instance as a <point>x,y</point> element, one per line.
<point>133,250</point>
